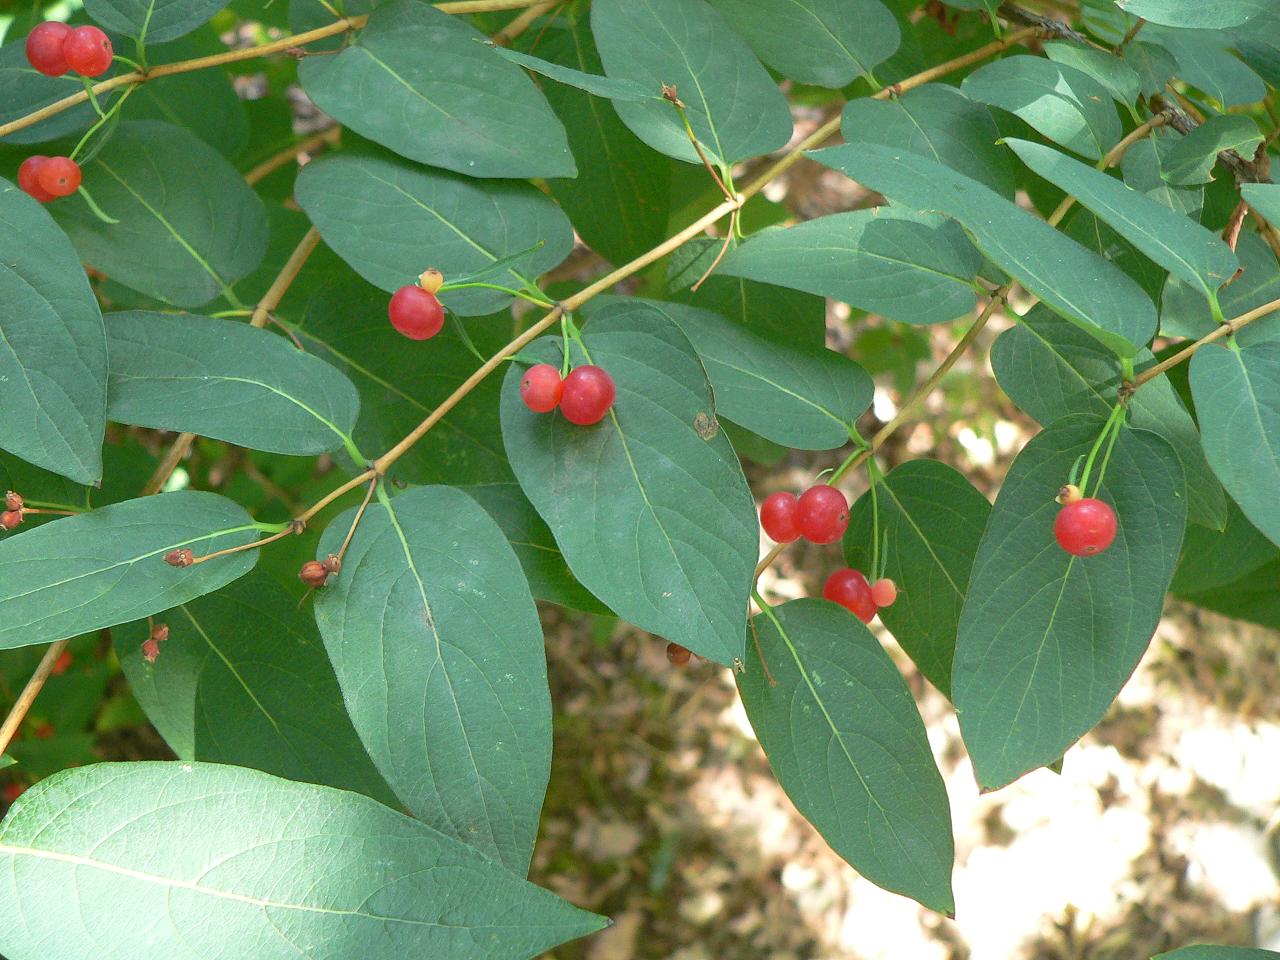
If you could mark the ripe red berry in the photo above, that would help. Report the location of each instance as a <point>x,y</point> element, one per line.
<point>884,592</point>
<point>88,51</point>
<point>822,514</point>
<point>778,517</point>
<point>29,178</point>
<point>59,176</point>
<point>587,395</point>
<point>849,588</point>
<point>677,654</point>
<point>416,313</point>
<point>44,48</point>
<point>540,388</point>
<point>1085,527</point>
<point>63,663</point>
<point>313,573</point>
<point>11,519</point>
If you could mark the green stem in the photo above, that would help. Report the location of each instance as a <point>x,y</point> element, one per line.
<point>271,527</point>
<point>873,477</point>
<point>93,97</point>
<point>1109,430</point>
<point>96,210</point>
<point>766,609</point>
<point>466,338</point>
<point>49,505</point>
<point>541,299</point>
<point>103,119</point>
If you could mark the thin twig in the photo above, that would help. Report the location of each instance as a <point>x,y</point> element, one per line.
<point>329,137</point>
<point>724,248</point>
<point>1113,156</point>
<point>9,729</point>
<point>290,530</point>
<point>520,24</point>
<point>355,521</point>
<point>1225,329</point>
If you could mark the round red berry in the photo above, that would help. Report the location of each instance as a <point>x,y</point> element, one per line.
<point>29,178</point>
<point>587,395</point>
<point>678,655</point>
<point>11,519</point>
<point>884,592</point>
<point>88,51</point>
<point>44,48</point>
<point>416,313</point>
<point>59,176</point>
<point>540,388</point>
<point>822,514</point>
<point>778,516</point>
<point>849,588</point>
<point>1085,527</point>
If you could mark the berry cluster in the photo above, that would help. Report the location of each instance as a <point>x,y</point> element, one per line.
<point>850,588</point>
<point>151,646</point>
<point>820,515</point>
<point>584,396</point>
<point>11,519</point>
<point>55,48</point>
<point>47,178</point>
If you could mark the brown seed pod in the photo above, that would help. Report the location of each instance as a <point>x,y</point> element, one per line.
<point>332,564</point>
<point>313,573</point>
<point>179,558</point>
<point>678,655</point>
<point>12,501</point>
<point>160,632</point>
<point>11,519</point>
<point>151,650</point>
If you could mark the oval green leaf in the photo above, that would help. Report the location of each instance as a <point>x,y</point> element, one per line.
<point>1194,13</point>
<point>1205,61</point>
<point>24,90</point>
<point>1207,952</point>
<point>1191,159</point>
<point>152,21</point>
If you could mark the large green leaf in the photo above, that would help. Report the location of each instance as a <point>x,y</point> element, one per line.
<point>1090,232</point>
<point>1146,166</point>
<point>24,90</point>
<point>152,21</point>
<point>227,380</point>
<point>1119,78</point>
<point>1264,197</point>
<point>1180,245</point>
<point>588,81</point>
<point>1204,61</point>
<point>619,205</point>
<point>914,267</point>
<point>825,42</point>
<point>777,312</point>
<point>1184,313</point>
<point>1191,159</point>
<point>649,505</point>
<point>1252,597</point>
<point>1215,558</point>
<point>1065,104</point>
<point>1208,952</point>
<point>189,224</point>
<point>734,107</point>
<point>1194,13</point>
<point>244,679</point>
<point>203,101</point>
<point>1047,640</point>
<point>345,323</point>
<point>156,861</point>
<point>843,737</point>
<point>1237,395</point>
<point>802,397</point>
<point>391,220</point>
<point>416,81</point>
<point>933,519</point>
<point>938,122</point>
<point>53,352</point>
<point>1075,282</point>
<point>106,567</point>
<point>436,643</point>
<point>1051,370</point>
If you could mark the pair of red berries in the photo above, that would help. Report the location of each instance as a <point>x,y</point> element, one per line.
<point>584,396</point>
<point>850,589</point>
<point>55,48</point>
<point>820,515</point>
<point>1085,526</point>
<point>47,178</point>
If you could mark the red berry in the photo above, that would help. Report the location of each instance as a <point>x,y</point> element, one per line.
<point>677,654</point>
<point>1085,527</point>
<point>849,588</point>
<point>822,514</point>
<point>587,395</point>
<point>778,517</point>
<point>884,592</point>
<point>88,51</point>
<point>416,313</point>
<point>59,176</point>
<point>151,650</point>
<point>313,574</point>
<point>63,663</point>
<point>12,791</point>
<point>540,388</point>
<point>11,519</point>
<point>29,178</point>
<point>44,48</point>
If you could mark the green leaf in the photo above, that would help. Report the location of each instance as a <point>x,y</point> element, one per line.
<point>437,646</point>
<point>1194,13</point>
<point>549,576</point>
<point>1073,281</point>
<point>1181,246</point>
<point>649,505</point>
<point>189,226</point>
<point>1144,168</point>
<point>1051,370</point>
<point>1192,157</point>
<point>798,396</point>
<point>227,380</point>
<point>734,107</point>
<point>1154,65</point>
<point>829,43</point>
<point>938,122</point>
<point>106,567</point>
<point>203,101</point>
<point>933,518</point>
<point>1252,597</point>
<point>619,208</point>
<point>1063,103</point>
<point>6,761</point>
<point>593,83</point>
<point>24,90</point>
<point>918,268</point>
<point>1046,639</point>
<point>845,740</point>
<point>1215,558</point>
<point>1263,197</point>
<point>1118,77</point>
<point>244,679</point>
<point>162,860</point>
<point>1204,61</point>
<point>1184,313</point>
<point>415,80</point>
<point>1237,396</point>
<point>391,220</point>
<point>1205,952</point>
<point>53,352</point>
<point>152,21</point>
<point>345,324</point>
<point>1090,232</point>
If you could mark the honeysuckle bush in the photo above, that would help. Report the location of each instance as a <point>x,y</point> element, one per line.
<point>203,396</point>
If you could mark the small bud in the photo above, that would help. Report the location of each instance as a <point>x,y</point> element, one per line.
<point>179,558</point>
<point>12,501</point>
<point>151,650</point>
<point>1069,493</point>
<point>677,654</point>
<point>11,519</point>
<point>332,564</point>
<point>313,573</point>
<point>160,632</point>
<point>431,280</point>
